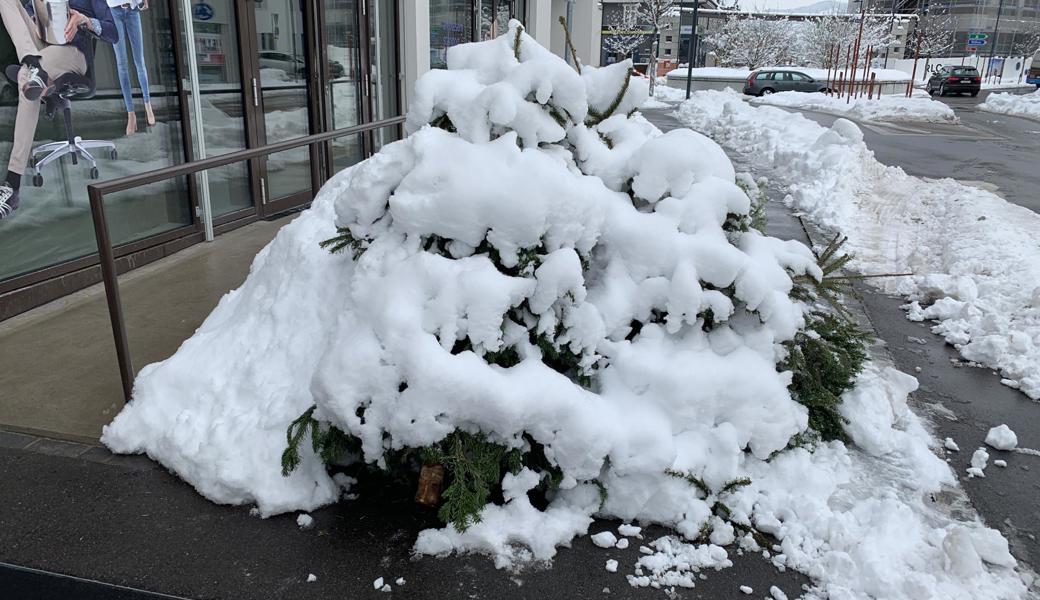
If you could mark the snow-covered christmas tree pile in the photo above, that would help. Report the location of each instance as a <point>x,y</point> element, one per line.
<point>534,291</point>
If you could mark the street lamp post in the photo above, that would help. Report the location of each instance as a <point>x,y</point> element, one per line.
<point>996,31</point>
<point>691,52</point>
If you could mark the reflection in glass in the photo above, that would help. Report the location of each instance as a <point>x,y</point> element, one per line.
<point>54,224</point>
<point>220,88</point>
<point>282,57</point>
<point>382,49</point>
<point>343,76</point>
<point>451,23</point>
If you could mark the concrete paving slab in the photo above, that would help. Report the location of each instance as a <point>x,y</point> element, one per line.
<point>60,376</point>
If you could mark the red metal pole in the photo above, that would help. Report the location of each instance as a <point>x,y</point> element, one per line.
<point>855,55</point>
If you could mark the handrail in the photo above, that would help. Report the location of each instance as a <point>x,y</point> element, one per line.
<point>97,192</point>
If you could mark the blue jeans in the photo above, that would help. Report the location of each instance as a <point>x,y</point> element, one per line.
<point>128,23</point>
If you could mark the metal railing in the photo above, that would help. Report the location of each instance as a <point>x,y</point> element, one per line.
<point>106,255</point>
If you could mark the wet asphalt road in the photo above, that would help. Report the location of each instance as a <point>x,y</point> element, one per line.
<point>1001,152</point>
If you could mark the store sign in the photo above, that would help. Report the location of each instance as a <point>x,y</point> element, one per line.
<point>202,11</point>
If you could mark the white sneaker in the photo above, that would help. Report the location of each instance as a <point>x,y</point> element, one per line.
<point>8,201</point>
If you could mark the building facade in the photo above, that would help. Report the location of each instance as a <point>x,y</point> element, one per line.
<point>228,75</point>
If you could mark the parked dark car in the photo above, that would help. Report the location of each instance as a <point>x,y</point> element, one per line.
<point>955,80</point>
<point>769,81</point>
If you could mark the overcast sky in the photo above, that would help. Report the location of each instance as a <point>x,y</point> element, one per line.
<point>777,4</point>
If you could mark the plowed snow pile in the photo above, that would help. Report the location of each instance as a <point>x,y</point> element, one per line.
<point>537,268</point>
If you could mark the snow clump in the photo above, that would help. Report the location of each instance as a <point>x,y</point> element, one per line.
<point>1002,438</point>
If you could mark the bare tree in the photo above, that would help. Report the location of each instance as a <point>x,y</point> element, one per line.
<point>656,14</point>
<point>818,38</point>
<point>625,32</point>
<point>935,29</point>
<point>752,42</point>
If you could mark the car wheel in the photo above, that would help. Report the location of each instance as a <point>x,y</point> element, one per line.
<point>767,91</point>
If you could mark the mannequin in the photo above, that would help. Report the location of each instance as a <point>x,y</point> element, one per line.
<point>127,15</point>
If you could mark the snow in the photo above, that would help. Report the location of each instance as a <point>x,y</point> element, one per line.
<point>1002,438</point>
<point>972,255</point>
<point>628,530</point>
<point>951,445</point>
<point>311,578</point>
<point>1000,463</point>
<point>1024,105</point>
<point>309,328</point>
<point>604,539</point>
<point>400,581</point>
<point>978,463</point>
<point>893,108</point>
<point>621,544</point>
<point>777,593</point>
<point>305,521</point>
<point>664,96</point>
<point>612,565</point>
<point>851,524</point>
<point>746,589</point>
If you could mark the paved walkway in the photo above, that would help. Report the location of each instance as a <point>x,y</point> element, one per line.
<point>59,376</point>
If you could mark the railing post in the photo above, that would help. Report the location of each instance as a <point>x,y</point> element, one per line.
<point>108,275</point>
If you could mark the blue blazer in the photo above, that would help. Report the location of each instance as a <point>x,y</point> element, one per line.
<point>94,9</point>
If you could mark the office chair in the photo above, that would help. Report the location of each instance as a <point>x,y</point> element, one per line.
<point>67,87</point>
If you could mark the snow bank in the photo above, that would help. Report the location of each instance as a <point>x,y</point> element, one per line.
<point>885,108</point>
<point>973,255</point>
<point>1026,105</point>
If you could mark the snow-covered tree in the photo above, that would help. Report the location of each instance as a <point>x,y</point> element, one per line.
<point>818,38</point>
<point>935,30</point>
<point>1026,42</point>
<point>535,297</point>
<point>754,43</point>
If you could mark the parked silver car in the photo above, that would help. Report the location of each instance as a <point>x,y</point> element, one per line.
<point>769,81</point>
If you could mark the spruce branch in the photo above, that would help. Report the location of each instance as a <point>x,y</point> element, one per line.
<point>344,239</point>
<point>570,45</point>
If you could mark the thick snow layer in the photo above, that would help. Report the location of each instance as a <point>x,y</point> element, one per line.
<point>370,342</point>
<point>885,108</point>
<point>973,256</point>
<point>1025,105</point>
<point>1002,438</point>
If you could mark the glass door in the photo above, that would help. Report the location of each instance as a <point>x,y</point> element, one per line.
<point>283,85</point>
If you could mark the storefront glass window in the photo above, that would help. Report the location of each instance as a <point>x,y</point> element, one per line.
<point>53,224</point>
<point>451,23</point>
<point>344,78</point>
<point>220,90</point>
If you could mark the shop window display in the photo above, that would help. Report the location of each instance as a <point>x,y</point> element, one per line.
<point>52,223</point>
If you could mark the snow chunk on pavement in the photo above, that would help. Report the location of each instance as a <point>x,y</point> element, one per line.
<point>628,530</point>
<point>377,584</point>
<point>604,539</point>
<point>1024,105</point>
<point>747,589</point>
<point>1000,463</point>
<point>1002,438</point>
<point>677,563</point>
<point>400,581</point>
<point>978,463</point>
<point>305,521</point>
<point>612,565</point>
<point>951,445</point>
<point>311,578</point>
<point>777,593</point>
<point>621,544</point>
